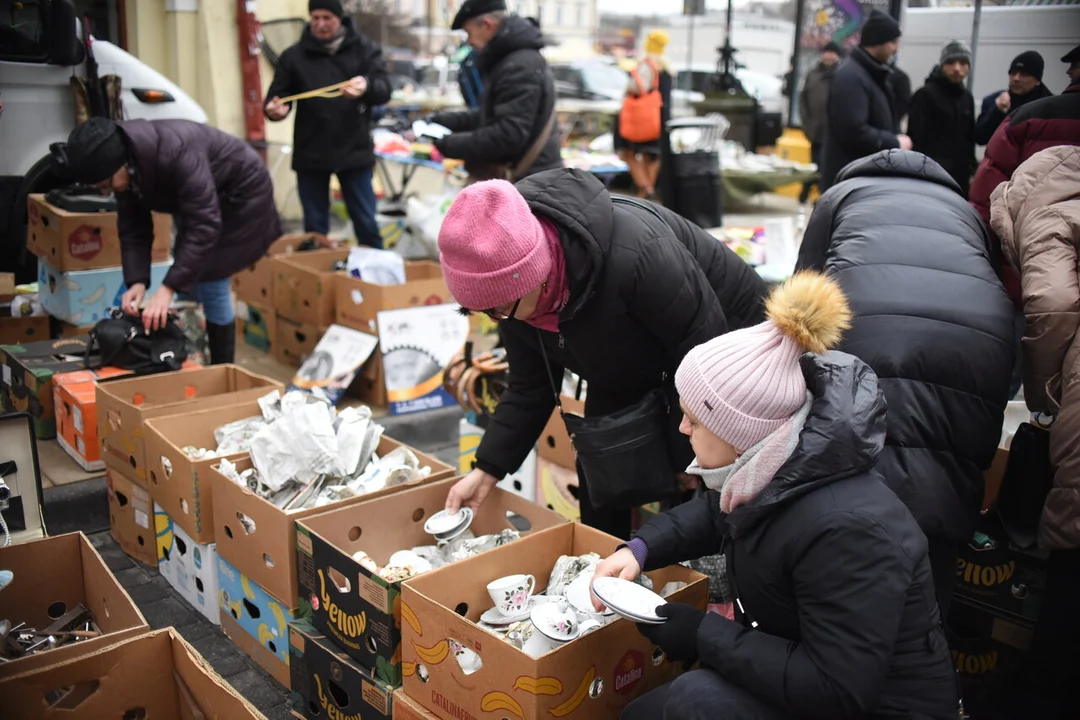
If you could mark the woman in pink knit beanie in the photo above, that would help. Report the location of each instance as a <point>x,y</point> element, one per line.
<point>614,290</point>
<point>834,605</point>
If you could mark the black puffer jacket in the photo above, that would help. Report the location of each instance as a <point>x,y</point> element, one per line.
<point>519,94</point>
<point>942,126</point>
<point>932,320</point>
<point>643,292</point>
<point>215,186</point>
<point>831,567</point>
<point>861,114</point>
<point>332,134</point>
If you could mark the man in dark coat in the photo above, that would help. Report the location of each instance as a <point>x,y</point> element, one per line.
<point>1025,85</point>
<point>518,102</point>
<point>814,105</point>
<point>862,117</point>
<point>935,324</point>
<point>942,121</point>
<point>332,135</point>
<point>219,193</point>
<point>640,288</point>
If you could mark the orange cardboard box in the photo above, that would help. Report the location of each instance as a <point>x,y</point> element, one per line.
<point>256,283</point>
<point>359,302</point>
<point>154,675</point>
<point>405,708</point>
<point>84,241</point>
<point>591,678</point>
<point>124,403</point>
<point>259,539</point>
<point>131,517</point>
<point>52,576</point>
<point>75,403</point>
<point>179,484</point>
<point>304,285</point>
<point>294,340</point>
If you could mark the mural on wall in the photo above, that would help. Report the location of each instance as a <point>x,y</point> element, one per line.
<point>831,20</point>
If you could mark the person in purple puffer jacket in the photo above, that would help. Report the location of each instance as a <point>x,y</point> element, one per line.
<point>219,193</point>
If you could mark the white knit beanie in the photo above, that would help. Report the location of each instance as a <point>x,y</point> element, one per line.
<point>744,385</point>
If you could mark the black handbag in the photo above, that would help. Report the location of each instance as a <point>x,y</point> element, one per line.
<point>624,456</point>
<point>121,340</point>
<point>1024,486</point>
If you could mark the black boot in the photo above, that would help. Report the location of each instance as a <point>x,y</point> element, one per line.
<point>222,340</point>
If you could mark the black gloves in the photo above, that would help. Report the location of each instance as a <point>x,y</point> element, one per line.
<point>678,636</point>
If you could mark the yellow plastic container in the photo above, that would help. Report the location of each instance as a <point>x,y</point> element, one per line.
<point>794,146</point>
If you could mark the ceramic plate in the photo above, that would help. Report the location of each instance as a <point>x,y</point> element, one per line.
<point>443,523</point>
<point>554,624</point>
<point>629,599</point>
<point>577,593</point>
<point>496,618</point>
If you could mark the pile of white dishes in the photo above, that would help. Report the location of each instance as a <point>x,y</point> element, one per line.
<point>445,526</point>
<point>629,600</point>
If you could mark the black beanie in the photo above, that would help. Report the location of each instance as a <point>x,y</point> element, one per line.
<point>95,151</point>
<point>879,29</point>
<point>333,6</point>
<point>1030,62</point>
<point>833,47</point>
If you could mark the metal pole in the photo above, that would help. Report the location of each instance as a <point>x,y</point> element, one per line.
<point>689,53</point>
<point>974,42</point>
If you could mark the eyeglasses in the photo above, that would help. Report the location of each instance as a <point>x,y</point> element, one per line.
<point>498,316</point>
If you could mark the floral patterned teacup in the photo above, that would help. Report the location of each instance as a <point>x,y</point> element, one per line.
<point>511,593</point>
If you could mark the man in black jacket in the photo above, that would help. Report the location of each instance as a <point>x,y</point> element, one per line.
<point>513,133</point>
<point>862,118</point>
<point>942,122</point>
<point>332,134</point>
<point>935,324</point>
<point>616,290</point>
<point>1025,85</point>
<point>814,105</point>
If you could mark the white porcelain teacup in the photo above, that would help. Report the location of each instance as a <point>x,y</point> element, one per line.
<point>511,593</point>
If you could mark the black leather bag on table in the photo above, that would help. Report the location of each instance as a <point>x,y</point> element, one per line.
<point>625,455</point>
<point>1026,483</point>
<point>120,340</point>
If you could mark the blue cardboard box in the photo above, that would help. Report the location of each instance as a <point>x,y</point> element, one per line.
<point>254,620</point>
<point>83,297</point>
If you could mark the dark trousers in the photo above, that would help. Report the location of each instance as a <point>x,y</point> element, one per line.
<point>314,191</point>
<point>943,554</point>
<point>613,522</point>
<point>815,157</point>
<point>700,695</point>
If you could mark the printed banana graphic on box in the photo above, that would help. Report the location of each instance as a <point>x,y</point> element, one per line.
<point>578,697</point>
<point>498,700</point>
<point>434,654</point>
<point>539,686</point>
<point>409,616</point>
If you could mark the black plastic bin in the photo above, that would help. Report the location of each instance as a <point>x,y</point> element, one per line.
<point>691,180</point>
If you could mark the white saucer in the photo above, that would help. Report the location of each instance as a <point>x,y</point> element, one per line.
<point>446,526</point>
<point>493,617</point>
<point>629,600</point>
<point>580,598</point>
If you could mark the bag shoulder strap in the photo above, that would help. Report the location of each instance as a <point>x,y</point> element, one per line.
<point>630,202</point>
<point>537,147</point>
<point>551,375</point>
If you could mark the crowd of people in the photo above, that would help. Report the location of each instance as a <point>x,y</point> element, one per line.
<point>828,437</point>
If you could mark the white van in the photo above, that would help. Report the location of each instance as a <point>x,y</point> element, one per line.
<point>40,51</point>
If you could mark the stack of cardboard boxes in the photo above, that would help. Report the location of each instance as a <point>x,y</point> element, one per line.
<point>347,650</point>
<point>126,671</point>
<point>79,273</point>
<point>125,405</point>
<point>257,563</point>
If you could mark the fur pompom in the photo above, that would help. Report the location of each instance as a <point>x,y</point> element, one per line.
<point>810,309</point>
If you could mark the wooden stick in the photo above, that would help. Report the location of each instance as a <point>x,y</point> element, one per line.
<point>330,91</point>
